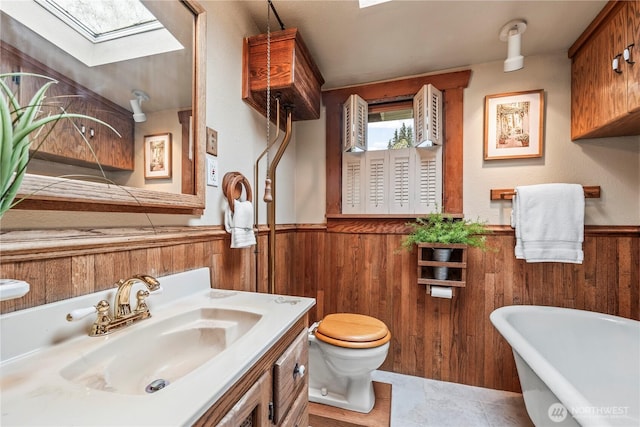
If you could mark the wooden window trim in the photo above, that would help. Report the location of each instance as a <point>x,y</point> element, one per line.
<point>451,84</point>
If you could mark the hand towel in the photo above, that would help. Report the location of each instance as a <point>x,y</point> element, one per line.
<point>240,224</point>
<point>549,223</point>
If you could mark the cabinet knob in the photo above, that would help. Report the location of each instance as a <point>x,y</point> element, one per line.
<point>299,370</point>
<point>615,64</point>
<point>83,129</point>
<point>627,54</point>
<point>92,132</point>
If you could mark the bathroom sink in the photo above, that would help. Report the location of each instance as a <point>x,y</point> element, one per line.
<point>145,359</point>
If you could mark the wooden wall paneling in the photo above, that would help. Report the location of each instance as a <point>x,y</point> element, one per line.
<point>57,275</point>
<point>8,271</point>
<point>452,340</point>
<point>34,273</point>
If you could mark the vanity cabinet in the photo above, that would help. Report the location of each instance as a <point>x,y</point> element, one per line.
<point>605,74</point>
<point>274,392</point>
<point>67,141</point>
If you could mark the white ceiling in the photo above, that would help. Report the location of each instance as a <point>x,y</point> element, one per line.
<point>409,37</point>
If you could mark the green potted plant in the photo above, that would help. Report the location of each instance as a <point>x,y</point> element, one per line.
<point>446,230</point>
<point>20,128</point>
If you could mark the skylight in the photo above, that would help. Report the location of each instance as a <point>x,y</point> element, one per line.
<point>99,35</point>
<point>367,3</point>
<point>102,20</point>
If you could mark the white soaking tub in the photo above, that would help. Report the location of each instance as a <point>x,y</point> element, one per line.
<point>576,368</point>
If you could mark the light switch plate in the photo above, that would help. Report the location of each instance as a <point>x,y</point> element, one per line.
<point>212,171</point>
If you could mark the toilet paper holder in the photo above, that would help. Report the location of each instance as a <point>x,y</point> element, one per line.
<point>446,292</point>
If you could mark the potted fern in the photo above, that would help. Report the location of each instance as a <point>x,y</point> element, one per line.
<point>443,229</point>
<point>20,126</point>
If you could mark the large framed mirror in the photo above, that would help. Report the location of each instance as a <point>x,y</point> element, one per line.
<point>174,84</point>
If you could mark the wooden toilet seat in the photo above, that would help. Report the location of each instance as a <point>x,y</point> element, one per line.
<point>350,330</point>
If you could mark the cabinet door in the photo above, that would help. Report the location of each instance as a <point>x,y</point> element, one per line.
<point>63,139</point>
<point>633,70</point>
<point>598,93</point>
<point>113,151</point>
<point>252,410</point>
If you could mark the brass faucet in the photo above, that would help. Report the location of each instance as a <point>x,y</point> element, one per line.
<point>122,314</point>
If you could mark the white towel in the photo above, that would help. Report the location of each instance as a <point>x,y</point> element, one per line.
<point>549,223</point>
<point>240,224</point>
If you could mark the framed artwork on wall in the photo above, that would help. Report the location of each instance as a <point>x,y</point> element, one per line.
<point>157,156</point>
<point>514,125</point>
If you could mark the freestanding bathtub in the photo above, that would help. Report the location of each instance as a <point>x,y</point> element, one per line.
<point>576,368</point>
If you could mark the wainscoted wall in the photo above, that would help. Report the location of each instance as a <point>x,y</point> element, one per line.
<point>450,340</point>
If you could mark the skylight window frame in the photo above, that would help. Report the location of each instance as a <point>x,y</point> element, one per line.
<point>87,33</point>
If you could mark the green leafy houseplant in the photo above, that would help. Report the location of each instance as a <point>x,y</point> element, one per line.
<point>443,228</point>
<point>20,128</point>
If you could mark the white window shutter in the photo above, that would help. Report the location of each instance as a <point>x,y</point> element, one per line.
<point>427,111</point>
<point>353,183</point>
<point>428,178</point>
<point>377,182</point>
<point>402,186</point>
<point>354,133</point>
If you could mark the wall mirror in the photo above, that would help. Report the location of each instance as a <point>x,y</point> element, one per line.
<point>175,84</point>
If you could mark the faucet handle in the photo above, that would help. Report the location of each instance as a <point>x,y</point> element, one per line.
<point>142,295</point>
<point>80,313</point>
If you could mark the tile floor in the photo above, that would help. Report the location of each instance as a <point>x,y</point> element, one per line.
<point>419,402</point>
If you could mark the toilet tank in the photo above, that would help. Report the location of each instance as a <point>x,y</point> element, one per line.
<point>294,74</point>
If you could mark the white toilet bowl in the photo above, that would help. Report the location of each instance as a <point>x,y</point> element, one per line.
<point>343,351</point>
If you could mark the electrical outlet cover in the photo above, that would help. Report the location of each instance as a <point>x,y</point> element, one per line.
<point>212,171</point>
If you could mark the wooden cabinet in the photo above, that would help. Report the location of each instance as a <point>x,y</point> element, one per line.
<point>274,392</point>
<point>606,102</point>
<point>253,408</point>
<point>73,141</point>
<point>294,75</point>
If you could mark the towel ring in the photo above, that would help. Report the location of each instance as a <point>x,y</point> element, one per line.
<point>232,184</point>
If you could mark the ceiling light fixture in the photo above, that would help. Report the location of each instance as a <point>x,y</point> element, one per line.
<point>136,105</point>
<point>511,33</point>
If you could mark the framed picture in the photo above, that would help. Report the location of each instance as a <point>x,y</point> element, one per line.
<point>513,125</point>
<point>157,156</point>
<point>212,141</point>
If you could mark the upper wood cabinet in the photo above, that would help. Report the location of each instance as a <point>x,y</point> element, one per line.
<point>67,141</point>
<point>606,101</point>
<point>293,76</point>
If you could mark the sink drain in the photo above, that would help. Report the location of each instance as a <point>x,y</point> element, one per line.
<point>156,385</point>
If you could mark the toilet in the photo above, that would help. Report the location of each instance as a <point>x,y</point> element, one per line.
<point>344,349</point>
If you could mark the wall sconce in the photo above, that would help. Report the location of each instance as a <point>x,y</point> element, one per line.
<point>511,33</point>
<point>136,105</point>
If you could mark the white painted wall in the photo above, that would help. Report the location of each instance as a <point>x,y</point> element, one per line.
<point>612,163</point>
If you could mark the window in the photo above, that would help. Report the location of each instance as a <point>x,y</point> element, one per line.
<point>387,168</point>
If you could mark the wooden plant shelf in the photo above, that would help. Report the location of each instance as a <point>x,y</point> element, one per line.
<point>457,265</point>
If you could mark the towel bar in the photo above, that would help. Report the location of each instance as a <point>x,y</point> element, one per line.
<point>590,192</point>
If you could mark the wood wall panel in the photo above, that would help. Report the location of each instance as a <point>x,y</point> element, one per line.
<point>453,340</point>
<point>450,340</point>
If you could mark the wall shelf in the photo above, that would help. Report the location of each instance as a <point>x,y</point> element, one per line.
<point>457,265</point>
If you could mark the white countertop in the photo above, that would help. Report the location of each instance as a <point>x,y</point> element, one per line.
<point>38,343</point>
